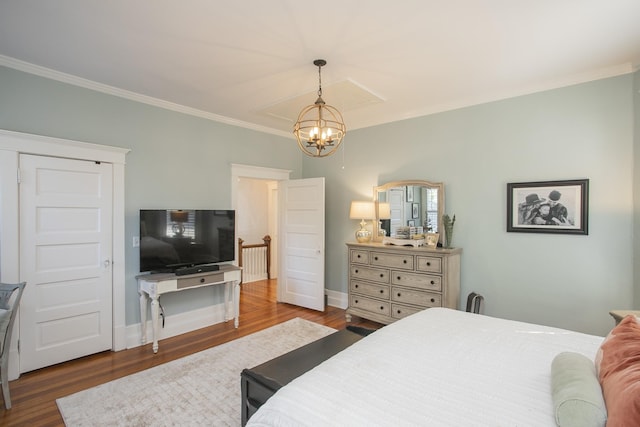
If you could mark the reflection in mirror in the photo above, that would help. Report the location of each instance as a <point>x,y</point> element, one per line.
<point>411,203</point>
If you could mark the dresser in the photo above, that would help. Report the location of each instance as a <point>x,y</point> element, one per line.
<point>387,282</point>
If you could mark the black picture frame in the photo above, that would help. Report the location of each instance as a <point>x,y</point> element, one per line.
<point>415,210</point>
<point>558,207</point>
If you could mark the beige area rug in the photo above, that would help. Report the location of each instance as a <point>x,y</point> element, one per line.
<point>202,389</point>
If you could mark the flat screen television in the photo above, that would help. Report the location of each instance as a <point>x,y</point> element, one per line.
<point>173,240</point>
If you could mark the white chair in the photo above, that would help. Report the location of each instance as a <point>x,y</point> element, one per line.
<point>8,308</point>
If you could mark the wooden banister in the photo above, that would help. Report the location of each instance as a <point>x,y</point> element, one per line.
<point>266,243</point>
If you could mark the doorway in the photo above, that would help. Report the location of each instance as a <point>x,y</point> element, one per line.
<point>255,189</point>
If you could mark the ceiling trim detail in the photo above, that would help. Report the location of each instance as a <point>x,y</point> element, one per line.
<point>132,96</point>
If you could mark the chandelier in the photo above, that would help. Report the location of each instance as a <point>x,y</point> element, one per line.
<point>320,127</point>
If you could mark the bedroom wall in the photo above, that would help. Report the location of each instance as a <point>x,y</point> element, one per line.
<point>582,131</point>
<point>176,160</point>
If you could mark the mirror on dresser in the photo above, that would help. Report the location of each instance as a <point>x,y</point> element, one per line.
<point>411,203</point>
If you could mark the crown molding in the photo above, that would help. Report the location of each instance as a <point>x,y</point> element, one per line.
<point>132,96</point>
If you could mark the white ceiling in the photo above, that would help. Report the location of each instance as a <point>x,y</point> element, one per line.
<point>237,61</point>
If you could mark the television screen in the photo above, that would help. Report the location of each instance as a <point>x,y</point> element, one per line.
<point>171,239</point>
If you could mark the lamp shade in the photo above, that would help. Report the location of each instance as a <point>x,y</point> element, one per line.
<point>362,210</point>
<point>179,216</point>
<point>384,210</point>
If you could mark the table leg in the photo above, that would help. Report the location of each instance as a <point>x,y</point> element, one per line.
<point>227,289</point>
<point>236,302</point>
<point>154,322</point>
<point>143,314</point>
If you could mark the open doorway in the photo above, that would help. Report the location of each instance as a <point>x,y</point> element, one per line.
<point>254,197</point>
<point>257,225</point>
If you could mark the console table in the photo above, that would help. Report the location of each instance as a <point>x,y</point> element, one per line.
<point>151,286</point>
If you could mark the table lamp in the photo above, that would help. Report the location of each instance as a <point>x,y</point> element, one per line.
<point>363,211</point>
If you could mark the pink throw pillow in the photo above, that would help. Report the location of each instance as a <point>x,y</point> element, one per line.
<point>619,373</point>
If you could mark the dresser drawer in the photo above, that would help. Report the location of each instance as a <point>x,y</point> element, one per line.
<point>392,260</point>
<point>360,257</point>
<point>421,298</point>
<point>429,264</point>
<point>369,304</point>
<point>399,311</point>
<point>370,289</point>
<point>367,273</point>
<point>422,281</point>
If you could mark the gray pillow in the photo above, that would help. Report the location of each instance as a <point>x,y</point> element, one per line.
<point>576,392</point>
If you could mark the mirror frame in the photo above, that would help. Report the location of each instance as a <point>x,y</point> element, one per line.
<point>413,182</point>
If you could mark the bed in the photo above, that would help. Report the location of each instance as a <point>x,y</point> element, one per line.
<point>442,367</point>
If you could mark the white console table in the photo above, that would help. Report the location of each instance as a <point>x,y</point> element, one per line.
<point>151,286</point>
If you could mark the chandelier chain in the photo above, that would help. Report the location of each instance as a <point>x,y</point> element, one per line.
<point>319,80</point>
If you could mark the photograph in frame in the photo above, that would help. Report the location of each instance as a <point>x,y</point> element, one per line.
<point>415,210</point>
<point>409,193</point>
<point>548,207</point>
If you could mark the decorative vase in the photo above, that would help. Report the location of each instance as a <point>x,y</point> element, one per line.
<point>448,223</point>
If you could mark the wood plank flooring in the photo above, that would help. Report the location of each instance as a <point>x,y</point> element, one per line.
<point>33,395</point>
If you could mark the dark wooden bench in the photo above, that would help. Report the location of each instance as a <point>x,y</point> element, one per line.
<point>260,383</point>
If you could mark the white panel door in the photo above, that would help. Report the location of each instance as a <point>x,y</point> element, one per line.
<point>396,204</point>
<point>65,257</point>
<point>301,276</point>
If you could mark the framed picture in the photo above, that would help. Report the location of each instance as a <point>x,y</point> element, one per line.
<point>548,207</point>
<point>431,240</point>
<point>415,210</point>
<point>411,223</point>
<point>409,193</point>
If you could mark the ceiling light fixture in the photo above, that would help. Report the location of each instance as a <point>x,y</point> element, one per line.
<point>320,127</point>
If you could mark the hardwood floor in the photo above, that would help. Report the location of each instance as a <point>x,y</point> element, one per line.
<point>33,395</point>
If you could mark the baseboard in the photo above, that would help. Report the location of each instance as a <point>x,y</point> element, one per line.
<point>178,324</point>
<point>337,299</point>
<point>190,321</point>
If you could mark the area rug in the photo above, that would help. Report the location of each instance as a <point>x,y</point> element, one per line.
<point>202,389</point>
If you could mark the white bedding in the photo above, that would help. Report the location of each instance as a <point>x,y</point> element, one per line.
<point>439,367</point>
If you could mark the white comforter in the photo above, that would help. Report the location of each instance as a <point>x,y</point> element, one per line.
<point>439,367</point>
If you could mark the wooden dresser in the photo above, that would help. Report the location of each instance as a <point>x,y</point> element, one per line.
<point>387,282</point>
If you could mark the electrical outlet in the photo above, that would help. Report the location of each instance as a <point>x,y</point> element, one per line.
<point>136,241</point>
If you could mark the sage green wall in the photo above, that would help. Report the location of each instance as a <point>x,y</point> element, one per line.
<point>582,131</point>
<point>177,160</point>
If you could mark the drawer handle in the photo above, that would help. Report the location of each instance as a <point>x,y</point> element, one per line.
<point>382,291</point>
<point>356,271</point>
<point>399,294</point>
<point>433,283</point>
<point>202,280</point>
<point>433,300</point>
<point>356,286</point>
<point>356,301</point>
<point>428,264</point>
<point>381,274</point>
<point>358,255</point>
<point>399,311</point>
<point>404,261</point>
<point>381,308</point>
<point>398,277</point>
<point>376,258</point>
